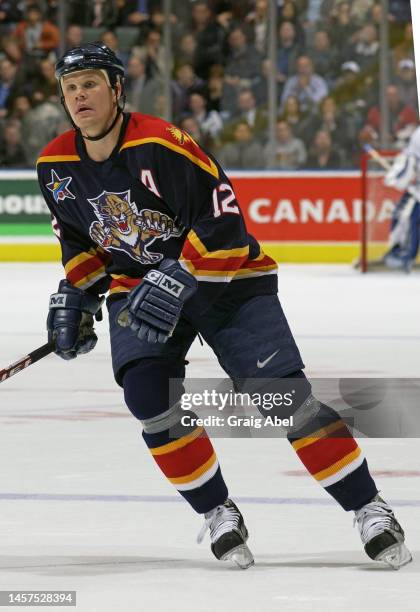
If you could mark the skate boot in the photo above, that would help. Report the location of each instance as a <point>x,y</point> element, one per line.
<point>228,534</point>
<point>382,534</point>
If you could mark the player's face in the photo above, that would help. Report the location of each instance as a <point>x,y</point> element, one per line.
<point>89,99</point>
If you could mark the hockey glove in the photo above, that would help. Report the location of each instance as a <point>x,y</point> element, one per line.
<point>70,320</point>
<point>154,306</point>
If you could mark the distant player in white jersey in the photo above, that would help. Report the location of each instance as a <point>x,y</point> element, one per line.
<point>404,175</point>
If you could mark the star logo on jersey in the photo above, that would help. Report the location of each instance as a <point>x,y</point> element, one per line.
<point>123,227</point>
<point>59,187</point>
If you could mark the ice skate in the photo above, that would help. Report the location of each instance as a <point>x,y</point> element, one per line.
<point>381,534</point>
<point>228,534</point>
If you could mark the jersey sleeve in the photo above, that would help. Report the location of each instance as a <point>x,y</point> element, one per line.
<point>217,248</point>
<point>84,264</point>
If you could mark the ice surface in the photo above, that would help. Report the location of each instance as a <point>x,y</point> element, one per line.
<point>84,508</point>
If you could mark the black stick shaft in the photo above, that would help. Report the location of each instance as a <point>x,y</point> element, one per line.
<point>26,361</point>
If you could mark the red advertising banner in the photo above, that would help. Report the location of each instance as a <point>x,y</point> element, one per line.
<point>307,206</point>
<point>298,217</point>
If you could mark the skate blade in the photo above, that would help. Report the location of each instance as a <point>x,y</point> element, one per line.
<point>241,555</point>
<point>395,556</point>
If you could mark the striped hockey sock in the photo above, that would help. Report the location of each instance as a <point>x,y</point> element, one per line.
<point>189,462</point>
<point>332,456</point>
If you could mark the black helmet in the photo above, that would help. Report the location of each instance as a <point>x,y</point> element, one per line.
<point>91,56</point>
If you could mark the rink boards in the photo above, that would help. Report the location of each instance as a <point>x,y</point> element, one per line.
<point>299,217</point>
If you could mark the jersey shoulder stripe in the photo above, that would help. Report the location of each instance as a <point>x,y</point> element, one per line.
<point>62,148</point>
<point>145,129</point>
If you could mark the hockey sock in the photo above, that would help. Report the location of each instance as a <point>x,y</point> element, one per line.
<point>331,455</point>
<point>184,453</point>
<point>189,462</point>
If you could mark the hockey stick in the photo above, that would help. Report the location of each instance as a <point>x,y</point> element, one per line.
<point>26,361</point>
<point>374,154</point>
<point>384,163</point>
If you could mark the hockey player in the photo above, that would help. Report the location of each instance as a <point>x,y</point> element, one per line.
<point>404,175</point>
<point>145,215</point>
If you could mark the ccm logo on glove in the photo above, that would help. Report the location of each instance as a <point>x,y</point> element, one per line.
<point>70,320</point>
<point>57,300</point>
<point>154,307</point>
<point>168,284</point>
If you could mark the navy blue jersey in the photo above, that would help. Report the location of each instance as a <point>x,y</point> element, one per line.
<point>158,195</point>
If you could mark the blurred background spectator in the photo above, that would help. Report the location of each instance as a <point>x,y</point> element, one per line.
<point>191,126</point>
<point>326,67</point>
<point>325,57</point>
<point>403,115</point>
<point>40,124</point>
<point>289,151</point>
<point>244,151</point>
<point>35,37</point>
<point>246,110</point>
<point>243,65</point>
<point>45,82</point>
<point>341,27</point>
<point>288,51</point>
<point>74,36</point>
<point>405,47</point>
<point>130,13</point>
<point>366,48</point>
<point>152,53</point>
<point>289,12</point>
<point>209,121</point>
<point>142,90</point>
<point>186,81</point>
<point>405,81</point>
<point>12,152</point>
<point>94,13</point>
<point>110,39</point>
<point>256,26</point>
<point>8,71</point>
<point>10,13</point>
<point>307,87</point>
<point>341,127</point>
<point>209,36</point>
<point>300,123</point>
<point>322,155</point>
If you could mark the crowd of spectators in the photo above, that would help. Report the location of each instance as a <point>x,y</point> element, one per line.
<point>327,69</point>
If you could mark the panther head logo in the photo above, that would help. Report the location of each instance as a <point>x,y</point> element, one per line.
<point>122,227</point>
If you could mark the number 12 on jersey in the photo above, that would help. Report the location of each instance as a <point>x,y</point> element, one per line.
<point>223,196</point>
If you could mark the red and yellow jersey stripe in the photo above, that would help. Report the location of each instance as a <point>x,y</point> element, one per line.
<point>61,149</point>
<point>144,129</point>
<point>222,265</point>
<point>122,284</point>
<point>85,269</point>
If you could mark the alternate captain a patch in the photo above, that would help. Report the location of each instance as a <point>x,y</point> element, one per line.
<point>122,227</point>
<point>59,187</point>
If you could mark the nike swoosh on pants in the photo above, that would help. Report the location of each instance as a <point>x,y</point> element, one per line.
<point>261,364</point>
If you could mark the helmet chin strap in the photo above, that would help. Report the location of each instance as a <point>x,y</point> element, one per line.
<point>107,131</point>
